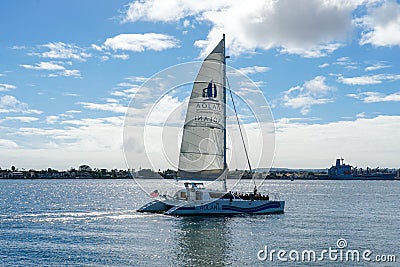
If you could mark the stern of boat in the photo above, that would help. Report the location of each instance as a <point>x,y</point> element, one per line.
<point>155,206</point>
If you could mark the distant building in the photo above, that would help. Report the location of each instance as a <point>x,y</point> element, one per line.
<point>17,175</point>
<point>85,168</point>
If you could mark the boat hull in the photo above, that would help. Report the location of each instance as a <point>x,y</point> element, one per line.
<point>155,206</point>
<point>217,207</point>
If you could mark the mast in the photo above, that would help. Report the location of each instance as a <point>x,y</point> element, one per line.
<point>225,188</point>
<point>224,92</point>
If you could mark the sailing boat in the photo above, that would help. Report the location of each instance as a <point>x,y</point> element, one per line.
<point>203,152</point>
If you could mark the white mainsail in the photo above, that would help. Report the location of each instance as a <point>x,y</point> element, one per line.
<point>203,147</point>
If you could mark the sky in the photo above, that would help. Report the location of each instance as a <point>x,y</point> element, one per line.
<point>329,70</point>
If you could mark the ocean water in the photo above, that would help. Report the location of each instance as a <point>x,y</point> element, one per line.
<point>94,223</point>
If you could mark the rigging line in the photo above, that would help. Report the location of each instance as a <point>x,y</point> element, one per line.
<point>240,128</point>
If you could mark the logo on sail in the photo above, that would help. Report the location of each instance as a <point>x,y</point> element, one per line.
<point>210,91</point>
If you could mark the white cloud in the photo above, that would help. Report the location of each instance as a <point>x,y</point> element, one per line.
<point>4,87</point>
<point>9,104</point>
<point>374,97</point>
<point>168,110</point>
<point>312,52</point>
<point>72,111</point>
<point>96,142</point>
<point>169,11</point>
<point>18,47</point>
<point>140,79</point>
<point>310,28</point>
<point>69,94</point>
<point>122,56</point>
<point>70,73</point>
<point>313,92</point>
<point>113,107</point>
<point>44,66</point>
<point>323,65</point>
<point>4,143</point>
<point>141,42</point>
<point>126,93</point>
<point>382,26</point>
<point>60,50</point>
<point>60,70</point>
<point>22,119</point>
<point>250,70</point>
<point>97,47</point>
<point>369,79</point>
<point>303,120</point>
<point>293,138</point>
<point>377,66</point>
<point>52,119</point>
<point>186,23</point>
<point>361,115</point>
<point>363,142</point>
<point>347,63</point>
<point>132,86</point>
<point>343,59</point>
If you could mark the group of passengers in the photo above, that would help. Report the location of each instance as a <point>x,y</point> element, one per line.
<point>252,196</point>
<point>246,196</point>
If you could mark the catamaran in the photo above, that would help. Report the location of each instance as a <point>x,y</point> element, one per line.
<point>203,153</point>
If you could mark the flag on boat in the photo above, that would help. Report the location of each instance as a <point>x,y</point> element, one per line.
<point>154,193</point>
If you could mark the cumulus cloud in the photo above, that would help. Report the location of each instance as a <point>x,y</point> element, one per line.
<point>166,111</point>
<point>72,111</point>
<point>70,73</point>
<point>52,119</point>
<point>312,52</point>
<point>347,63</point>
<point>60,50</point>
<point>293,139</point>
<point>377,66</point>
<point>88,140</point>
<point>44,66</point>
<point>374,97</point>
<point>121,56</point>
<point>21,119</point>
<point>4,87</point>
<point>368,79</point>
<point>4,143</point>
<point>310,28</point>
<point>140,42</point>
<point>382,25</point>
<point>80,141</point>
<point>59,70</point>
<point>313,92</point>
<point>170,10</point>
<point>9,104</point>
<point>113,107</point>
<point>249,70</point>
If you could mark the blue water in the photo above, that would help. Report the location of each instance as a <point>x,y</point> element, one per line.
<point>94,223</point>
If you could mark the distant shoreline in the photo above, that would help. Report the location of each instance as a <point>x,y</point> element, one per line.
<point>85,172</point>
<point>244,179</point>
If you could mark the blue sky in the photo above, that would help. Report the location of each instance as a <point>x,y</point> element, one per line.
<point>328,69</point>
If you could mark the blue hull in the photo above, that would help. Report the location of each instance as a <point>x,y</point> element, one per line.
<point>217,207</point>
